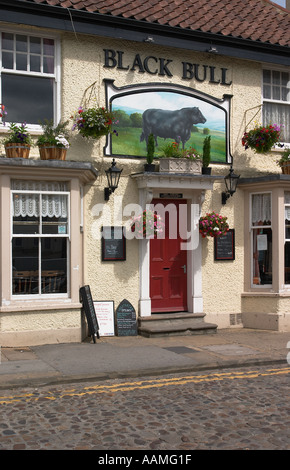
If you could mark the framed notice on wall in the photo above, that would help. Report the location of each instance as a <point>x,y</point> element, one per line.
<point>105,314</point>
<point>224,247</point>
<point>113,244</point>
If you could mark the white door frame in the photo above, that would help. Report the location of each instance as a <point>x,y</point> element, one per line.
<point>193,190</point>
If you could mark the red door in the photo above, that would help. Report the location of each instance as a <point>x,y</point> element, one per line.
<point>168,267</point>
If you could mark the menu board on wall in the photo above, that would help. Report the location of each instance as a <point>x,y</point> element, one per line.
<point>224,247</point>
<point>105,313</point>
<point>113,244</point>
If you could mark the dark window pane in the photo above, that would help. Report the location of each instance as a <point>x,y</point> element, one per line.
<point>267,76</point>
<point>276,78</point>
<point>54,225</point>
<point>48,65</point>
<point>53,265</point>
<point>21,43</point>
<point>35,63</point>
<point>48,47</point>
<point>7,60</point>
<point>35,45</point>
<point>20,92</point>
<point>25,266</point>
<point>267,91</point>
<point>25,225</point>
<point>285,94</point>
<point>21,62</point>
<point>7,41</point>
<point>276,93</point>
<point>285,79</point>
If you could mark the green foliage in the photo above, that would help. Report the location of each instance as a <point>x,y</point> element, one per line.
<point>150,148</point>
<point>206,131</point>
<point>206,151</point>
<point>128,143</point>
<point>171,150</point>
<point>18,134</point>
<point>136,119</point>
<point>54,135</point>
<point>285,158</point>
<point>122,119</point>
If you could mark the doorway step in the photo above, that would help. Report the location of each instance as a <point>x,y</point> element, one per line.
<point>174,324</point>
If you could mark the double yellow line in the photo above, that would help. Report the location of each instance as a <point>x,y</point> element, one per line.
<point>145,384</point>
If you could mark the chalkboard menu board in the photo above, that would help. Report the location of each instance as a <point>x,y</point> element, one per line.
<point>90,313</point>
<point>126,319</point>
<point>113,244</point>
<point>224,247</point>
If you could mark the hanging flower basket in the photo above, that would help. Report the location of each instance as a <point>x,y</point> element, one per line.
<point>93,122</point>
<point>213,225</point>
<point>147,225</point>
<point>261,139</point>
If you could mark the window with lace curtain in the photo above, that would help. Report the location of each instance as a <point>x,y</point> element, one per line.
<point>261,218</point>
<point>276,100</point>
<point>40,238</point>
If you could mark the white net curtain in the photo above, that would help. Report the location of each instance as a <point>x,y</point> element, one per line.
<point>261,209</point>
<point>287,209</point>
<point>29,204</point>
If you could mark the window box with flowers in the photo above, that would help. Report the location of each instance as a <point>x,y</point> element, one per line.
<point>53,143</point>
<point>93,122</point>
<point>262,138</point>
<point>18,142</point>
<point>174,160</point>
<point>147,225</point>
<point>213,225</point>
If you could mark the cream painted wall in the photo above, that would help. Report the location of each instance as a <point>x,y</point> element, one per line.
<point>82,59</point>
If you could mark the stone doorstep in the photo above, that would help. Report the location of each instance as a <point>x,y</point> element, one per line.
<point>176,318</point>
<point>179,329</point>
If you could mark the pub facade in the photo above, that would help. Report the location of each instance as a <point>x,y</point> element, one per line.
<point>63,226</point>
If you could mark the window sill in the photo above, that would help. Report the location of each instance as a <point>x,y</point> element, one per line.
<point>37,305</point>
<point>285,293</point>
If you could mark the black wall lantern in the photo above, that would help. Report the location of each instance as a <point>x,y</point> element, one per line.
<point>231,182</point>
<point>113,176</point>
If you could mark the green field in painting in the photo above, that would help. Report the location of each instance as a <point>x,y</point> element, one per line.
<point>128,143</point>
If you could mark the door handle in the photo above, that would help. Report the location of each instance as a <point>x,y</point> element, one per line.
<point>184,268</point>
<point>166,269</point>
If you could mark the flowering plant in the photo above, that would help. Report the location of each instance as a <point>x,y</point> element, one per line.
<point>191,154</point>
<point>3,113</point>
<point>285,157</point>
<point>93,122</point>
<point>262,138</point>
<point>171,150</point>
<point>213,225</point>
<point>18,134</point>
<point>147,224</point>
<point>54,136</point>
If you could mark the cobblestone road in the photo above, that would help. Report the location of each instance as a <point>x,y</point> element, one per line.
<point>231,409</point>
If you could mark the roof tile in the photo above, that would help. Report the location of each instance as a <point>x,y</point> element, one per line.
<point>257,20</point>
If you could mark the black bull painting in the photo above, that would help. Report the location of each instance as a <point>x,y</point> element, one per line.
<point>170,124</point>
